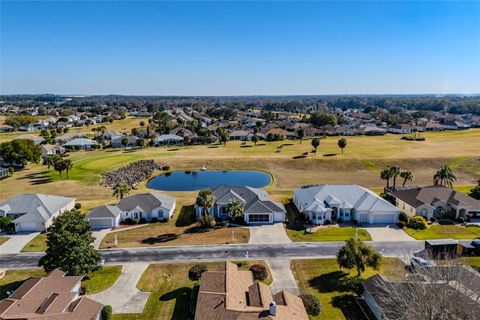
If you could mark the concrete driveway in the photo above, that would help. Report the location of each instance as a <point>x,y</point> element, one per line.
<point>16,242</point>
<point>282,275</point>
<point>123,296</point>
<point>388,232</point>
<point>99,235</point>
<point>268,234</point>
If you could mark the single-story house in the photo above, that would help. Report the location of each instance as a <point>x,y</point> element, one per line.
<point>52,297</point>
<point>402,128</point>
<point>116,142</point>
<point>6,128</point>
<point>432,200</point>
<point>36,139</point>
<point>35,212</point>
<point>140,206</point>
<point>257,206</point>
<point>4,172</point>
<point>109,135</point>
<point>229,293</point>
<point>346,202</point>
<point>167,139</point>
<point>69,136</point>
<point>81,143</point>
<point>52,149</point>
<point>241,135</point>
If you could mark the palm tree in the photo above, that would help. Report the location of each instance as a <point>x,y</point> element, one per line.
<point>68,165</point>
<point>301,134</point>
<point>254,139</point>
<point>342,143</point>
<point>386,174</point>
<point>444,176</point>
<point>395,172</point>
<point>235,208</point>
<point>120,189</point>
<point>407,176</point>
<point>315,144</point>
<point>205,200</point>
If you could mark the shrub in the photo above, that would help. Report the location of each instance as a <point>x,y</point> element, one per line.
<point>142,221</point>
<point>166,168</point>
<point>259,272</point>
<point>468,217</point>
<point>403,217</point>
<point>445,222</point>
<point>355,222</point>
<point>355,284</point>
<point>195,272</point>
<point>5,223</point>
<point>130,221</point>
<point>417,223</point>
<point>11,170</point>
<point>241,264</point>
<point>107,312</point>
<point>134,221</point>
<point>166,219</point>
<point>327,222</point>
<point>401,224</point>
<point>339,220</point>
<point>207,221</point>
<point>78,206</point>
<point>433,220</point>
<point>311,303</point>
<point>154,220</point>
<point>461,219</point>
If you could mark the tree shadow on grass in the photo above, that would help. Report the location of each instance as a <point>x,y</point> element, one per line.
<point>186,216</point>
<point>329,154</point>
<point>299,157</point>
<point>167,237</point>
<point>330,282</point>
<point>246,146</point>
<point>182,308</point>
<point>41,177</point>
<point>212,147</point>
<point>174,149</point>
<point>10,287</point>
<point>349,306</point>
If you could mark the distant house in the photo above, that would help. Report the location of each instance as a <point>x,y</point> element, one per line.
<point>6,128</point>
<point>36,139</point>
<point>455,125</point>
<point>52,149</point>
<point>81,143</point>
<point>35,212</point>
<point>431,201</point>
<point>4,173</point>
<point>241,135</point>
<point>343,131</point>
<point>117,141</point>
<point>402,129</point>
<point>347,202</point>
<point>109,135</point>
<point>284,134</point>
<point>257,206</point>
<point>168,139</point>
<point>371,131</point>
<point>140,206</point>
<point>431,126</point>
<point>53,297</point>
<point>28,127</point>
<point>69,136</point>
<point>229,293</point>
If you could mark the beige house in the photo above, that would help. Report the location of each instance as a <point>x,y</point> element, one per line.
<point>430,201</point>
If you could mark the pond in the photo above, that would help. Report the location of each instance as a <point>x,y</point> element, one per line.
<point>198,180</point>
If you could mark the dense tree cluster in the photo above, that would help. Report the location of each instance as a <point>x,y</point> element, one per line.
<point>20,120</point>
<point>20,152</point>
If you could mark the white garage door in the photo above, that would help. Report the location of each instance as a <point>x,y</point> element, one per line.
<point>278,217</point>
<point>28,226</point>
<point>383,218</point>
<point>363,218</point>
<point>101,223</point>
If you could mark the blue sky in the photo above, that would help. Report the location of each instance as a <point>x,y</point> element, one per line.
<point>233,48</point>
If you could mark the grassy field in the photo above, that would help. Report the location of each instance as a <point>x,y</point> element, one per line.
<point>102,279</point>
<point>3,240</point>
<point>363,158</point>
<point>171,292</point>
<point>37,244</point>
<point>445,232</point>
<point>328,234</point>
<point>324,279</point>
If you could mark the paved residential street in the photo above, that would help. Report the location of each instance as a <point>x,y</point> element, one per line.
<point>16,242</point>
<point>282,275</point>
<point>294,250</point>
<point>123,296</point>
<point>268,234</point>
<point>388,232</point>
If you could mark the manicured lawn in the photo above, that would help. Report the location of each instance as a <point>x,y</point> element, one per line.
<point>172,293</point>
<point>102,279</point>
<point>37,244</point>
<point>3,240</point>
<point>445,232</point>
<point>325,280</point>
<point>328,234</point>
<point>160,234</point>
<point>474,228</point>
<point>14,278</point>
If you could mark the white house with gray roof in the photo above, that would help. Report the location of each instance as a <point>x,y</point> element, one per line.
<point>35,212</point>
<point>139,206</point>
<point>346,202</point>
<point>81,143</point>
<point>257,206</point>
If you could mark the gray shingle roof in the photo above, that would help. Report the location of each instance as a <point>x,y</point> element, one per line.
<point>34,207</point>
<point>146,201</point>
<point>254,200</point>
<point>104,212</point>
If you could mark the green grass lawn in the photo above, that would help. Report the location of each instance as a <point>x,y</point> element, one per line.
<point>102,279</point>
<point>3,240</point>
<point>14,278</point>
<point>325,280</point>
<point>37,244</point>
<point>172,293</point>
<point>445,232</point>
<point>328,234</point>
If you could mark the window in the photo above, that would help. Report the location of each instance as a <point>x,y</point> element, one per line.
<point>258,218</point>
